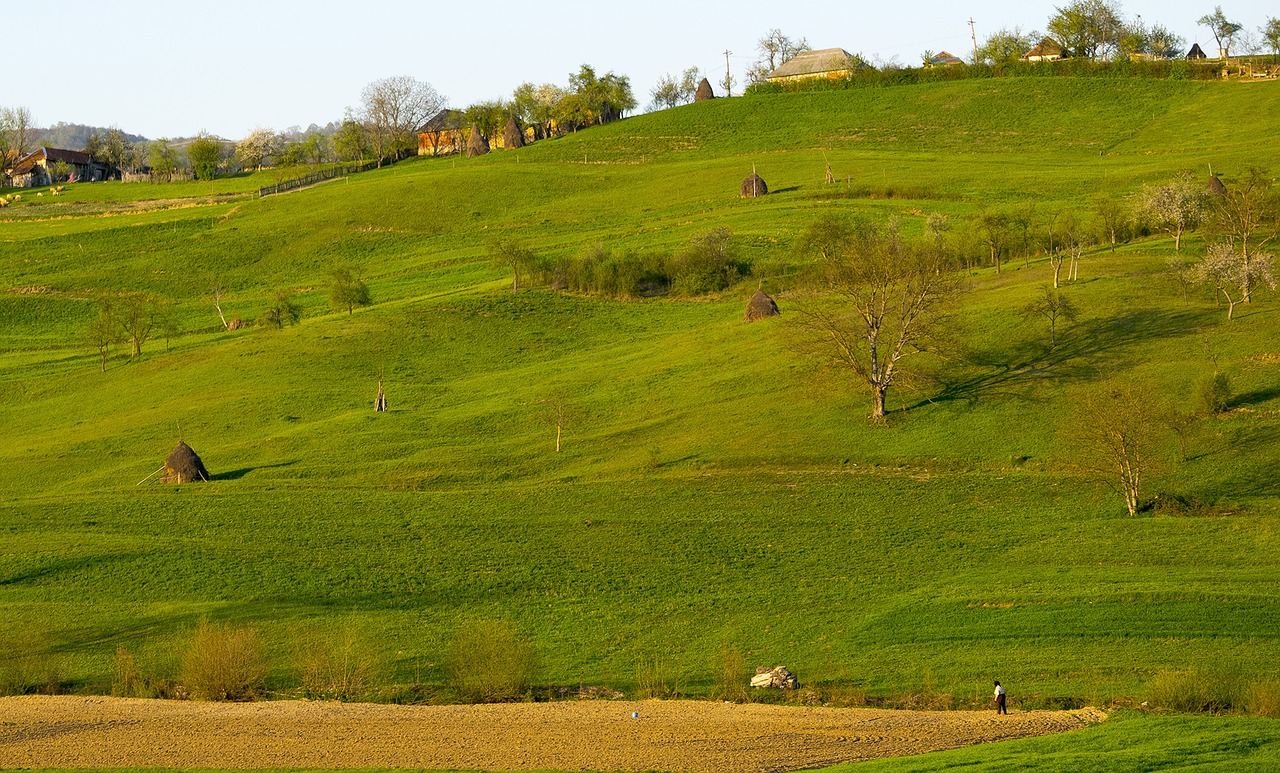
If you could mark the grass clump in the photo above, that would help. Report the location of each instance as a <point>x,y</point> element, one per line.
<point>337,665</point>
<point>224,662</point>
<point>489,663</point>
<point>730,675</point>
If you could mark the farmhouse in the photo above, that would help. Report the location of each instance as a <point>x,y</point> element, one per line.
<point>824,63</point>
<point>443,134</point>
<point>448,132</point>
<point>1047,50</point>
<point>45,166</point>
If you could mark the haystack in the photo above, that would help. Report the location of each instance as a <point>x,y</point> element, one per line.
<point>761,306</point>
<point>704,92</point>
<point>184,466</point>
<point>1196,52</point>
<point>1215,187</point>
<point>754,187</point>
<point>512,137</point>
<point>477,145</point>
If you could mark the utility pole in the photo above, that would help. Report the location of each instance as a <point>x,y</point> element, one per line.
<point>728,77</point>
<point>973,34</point>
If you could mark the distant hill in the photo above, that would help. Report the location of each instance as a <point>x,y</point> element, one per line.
<point>74,136</point>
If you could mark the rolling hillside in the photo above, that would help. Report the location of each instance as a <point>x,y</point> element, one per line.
<point>716,486</point>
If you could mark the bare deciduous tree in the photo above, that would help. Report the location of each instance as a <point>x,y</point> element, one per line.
<point>1054,307</point>
<point>887,304</point>
<point>393,109</point>
<point>137,316</point>
<point>775,50</point>
<point>102,331</point>
<point>1113,432</point>
<point>1223,29</point>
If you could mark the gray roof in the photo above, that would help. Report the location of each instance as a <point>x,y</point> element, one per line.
<point>814,63</point>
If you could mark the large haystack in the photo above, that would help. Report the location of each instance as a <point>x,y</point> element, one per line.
<point>1196,52</point>
<point>184,466</point>
<point>1215,187</point>
<point>761,306</point>
<point>512,137</point>
<point>754,187</point>
<point>477,145</point>
<point>704,92</point>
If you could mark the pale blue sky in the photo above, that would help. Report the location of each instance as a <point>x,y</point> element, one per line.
<point>173,68</point>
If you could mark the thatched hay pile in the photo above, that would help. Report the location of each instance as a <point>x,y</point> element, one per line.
<point>512,137</point>
<point>704,92</point>
<point>754,187</point>
<point>761,306</point>
<point>1215,187</point>
<point>184,466</point>
<point>477,145</point>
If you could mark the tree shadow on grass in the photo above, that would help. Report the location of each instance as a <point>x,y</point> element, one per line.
<point>1255,397</point>
<point>243,471</point>
<point>1084,350</point>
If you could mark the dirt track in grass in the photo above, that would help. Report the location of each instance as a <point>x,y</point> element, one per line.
<point>75,731</point>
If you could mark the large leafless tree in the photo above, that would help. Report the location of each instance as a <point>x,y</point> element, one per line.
<point>885,303</point>
<point>1113,431</point>
<point>393,109</point>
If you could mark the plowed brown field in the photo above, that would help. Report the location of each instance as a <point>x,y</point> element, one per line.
<point>70,731</point>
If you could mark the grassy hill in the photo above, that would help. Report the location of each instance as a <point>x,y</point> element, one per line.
<point>716,486</point>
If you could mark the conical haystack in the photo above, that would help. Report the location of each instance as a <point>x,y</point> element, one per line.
<point>1215,186</point>
<point>754,187</point>
<point>477,145</point>
<point>184,466</point>
<point>512,137</point>
<point>704,92</point>
<point>761,306</point>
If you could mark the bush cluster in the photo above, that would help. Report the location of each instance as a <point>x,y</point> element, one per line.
<point>711,262</point>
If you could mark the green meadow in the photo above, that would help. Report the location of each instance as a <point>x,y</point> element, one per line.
<point>717,486</point>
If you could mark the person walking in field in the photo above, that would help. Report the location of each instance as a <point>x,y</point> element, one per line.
<point>1001,706</point>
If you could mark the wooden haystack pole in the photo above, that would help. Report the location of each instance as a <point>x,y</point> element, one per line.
<point>477,145</point>
<point>761,306</point>
<point>754,186</point>
<point>512,137</point>
<point>184,466</point>
<point>380,402</point>
<point>704,92</point>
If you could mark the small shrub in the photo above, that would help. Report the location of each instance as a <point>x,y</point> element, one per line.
<point>730,676</point>
<point>27,667</point>
<point>128,681</point>
<point>1197,692</point>
<point>654,679</point>
<point>225,662</point>
<point>335,665</point>
<point>488,663</point>
<point>1264,698</point>
<point>1215,394</point>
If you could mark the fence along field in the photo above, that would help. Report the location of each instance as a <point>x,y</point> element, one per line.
<point>715,487</point>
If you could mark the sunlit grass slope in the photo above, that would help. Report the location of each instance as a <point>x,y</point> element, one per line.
<point>715,484</point>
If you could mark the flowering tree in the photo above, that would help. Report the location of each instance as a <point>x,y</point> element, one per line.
<point>1228,271</point>
<point>1176,207</point>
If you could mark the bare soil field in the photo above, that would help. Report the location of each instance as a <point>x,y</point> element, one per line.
<point>76,731</point>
